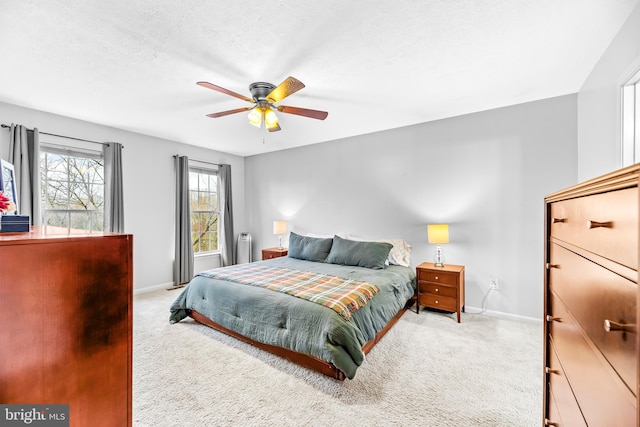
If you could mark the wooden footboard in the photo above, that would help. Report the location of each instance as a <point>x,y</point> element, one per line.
<point>305,360</point>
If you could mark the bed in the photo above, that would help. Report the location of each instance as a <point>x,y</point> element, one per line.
<point>321,334</point>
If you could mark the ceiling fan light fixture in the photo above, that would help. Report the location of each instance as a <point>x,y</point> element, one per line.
<point>255,117</point>
<point>270,118</point>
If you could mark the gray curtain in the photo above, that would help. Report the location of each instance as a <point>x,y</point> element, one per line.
<point>113,188</point>
<point>24,153</point>
<point>183,263</point>
<point>226,216</point>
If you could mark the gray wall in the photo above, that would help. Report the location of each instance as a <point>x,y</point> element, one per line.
<point>149,181</point>
<point>599,123</point>
<point>486,174</point>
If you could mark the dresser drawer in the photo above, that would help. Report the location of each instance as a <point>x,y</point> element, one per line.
<point>603,397</point>
<point>439,302</point>
<point>570,414</point>
<point>593,294</point>
<point>617,240</point>
<point>435,289</point>
<point>438,277</point>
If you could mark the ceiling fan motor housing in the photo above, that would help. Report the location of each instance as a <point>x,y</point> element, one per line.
<point>260,90</point>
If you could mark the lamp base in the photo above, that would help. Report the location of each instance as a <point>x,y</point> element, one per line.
<point>438,258</point>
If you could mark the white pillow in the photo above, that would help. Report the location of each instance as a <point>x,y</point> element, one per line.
<point>400,253</point>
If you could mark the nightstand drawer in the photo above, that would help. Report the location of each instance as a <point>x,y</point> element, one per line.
<point>435,289</point>
<point>438,277</point>
<point>439,302</point>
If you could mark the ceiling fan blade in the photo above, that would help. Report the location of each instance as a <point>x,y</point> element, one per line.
<point>225,91</point>
<point>287,87</point>
<point>276,128</point>
<point>226,113</point>
<point>314,114</point>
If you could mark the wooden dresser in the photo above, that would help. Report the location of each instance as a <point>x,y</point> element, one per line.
<point>591,302</point>
<point>66,316</point>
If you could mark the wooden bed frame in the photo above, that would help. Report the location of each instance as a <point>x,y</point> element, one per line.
<point>305,360</point>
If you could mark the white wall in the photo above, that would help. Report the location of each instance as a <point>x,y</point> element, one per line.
<point>486,174</point>
<point>148,174</point>
<point>599,141</point>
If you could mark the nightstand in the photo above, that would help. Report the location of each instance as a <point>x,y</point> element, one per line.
<point>269,253</point>
<point>441,288</point>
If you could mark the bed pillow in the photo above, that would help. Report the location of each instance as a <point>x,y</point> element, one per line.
<point>400,253</point>
<point>361,254</point>
<point>309,248</point>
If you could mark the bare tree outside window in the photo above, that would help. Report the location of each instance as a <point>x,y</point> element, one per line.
<point>72,190</point>
<point>203,195</point>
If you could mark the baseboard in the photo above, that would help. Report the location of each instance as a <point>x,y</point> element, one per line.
<point>168,285</point>
<point>503,315</point>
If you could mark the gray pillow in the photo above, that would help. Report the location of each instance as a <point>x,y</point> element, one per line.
<point>309,248</point>
<point>361,254</point>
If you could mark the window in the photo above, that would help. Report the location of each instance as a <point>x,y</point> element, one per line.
<point>631,120</point>
<point>72,187</point>
<point>203,196</point>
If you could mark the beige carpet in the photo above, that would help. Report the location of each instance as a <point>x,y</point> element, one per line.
<point>427,371</point>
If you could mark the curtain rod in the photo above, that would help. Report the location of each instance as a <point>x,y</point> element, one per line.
<point>62,136</point>
<point>196,160</point>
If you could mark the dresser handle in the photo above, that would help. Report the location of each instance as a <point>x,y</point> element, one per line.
<point>550,266</point>
<point>611,326</point>
<point>553,319</point>
<point>548,422</point>
<point>552,371</point>
<point>596,224</point>
<point>436,278</point>
<point>559,220</point>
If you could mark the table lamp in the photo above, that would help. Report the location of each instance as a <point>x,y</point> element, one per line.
<point>438,234</point>
<point>279,228</point>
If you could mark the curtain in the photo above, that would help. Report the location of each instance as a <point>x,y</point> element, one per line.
<point>183,263</point>
<point>226,216</point>
<point>113,188</point>
<point>24,153</point>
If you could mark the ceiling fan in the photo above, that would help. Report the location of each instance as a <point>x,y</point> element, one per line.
<point>265,95</point>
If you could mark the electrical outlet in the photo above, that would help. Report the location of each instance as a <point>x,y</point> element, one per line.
<point>494,283</point>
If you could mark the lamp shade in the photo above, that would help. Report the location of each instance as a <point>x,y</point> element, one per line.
<point>438,233</point>
<point>279,227</point>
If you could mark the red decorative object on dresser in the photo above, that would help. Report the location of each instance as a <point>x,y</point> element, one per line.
<point>590,302</point>
<point>66,316</point>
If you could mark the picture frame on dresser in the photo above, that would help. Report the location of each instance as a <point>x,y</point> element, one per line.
<point>8,184</point>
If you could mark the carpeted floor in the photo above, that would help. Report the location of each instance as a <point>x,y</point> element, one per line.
<point>427,371</point>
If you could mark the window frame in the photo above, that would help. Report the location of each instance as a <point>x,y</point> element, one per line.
<point>198,169</point>
<point>630,119</point>
<point>47,147</point>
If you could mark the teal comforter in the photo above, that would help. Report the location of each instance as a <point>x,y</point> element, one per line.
<point>285,321</point>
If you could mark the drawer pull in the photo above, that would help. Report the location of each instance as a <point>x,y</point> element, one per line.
<point>436,277</point>
<point>552,371</point>
<point>596,224</point>
<point>559,220</point>
<point>548,422</point>
<point>550,266</point>
<point>437,290</point>
<point>611,326</point>
<point>553,319</point>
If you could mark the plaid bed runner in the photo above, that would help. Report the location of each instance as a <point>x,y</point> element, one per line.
<point>344,296</point>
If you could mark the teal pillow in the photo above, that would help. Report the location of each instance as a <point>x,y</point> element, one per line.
<point>361,254</point>
<point>309,248</point>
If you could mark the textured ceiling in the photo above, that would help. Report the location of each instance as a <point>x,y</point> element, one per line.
<point>373,65</point>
